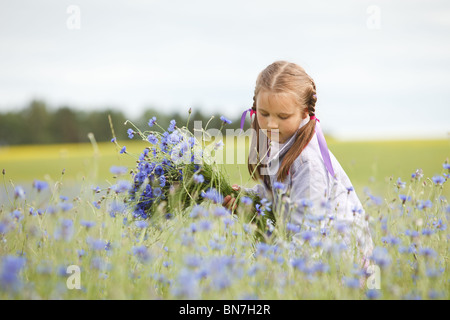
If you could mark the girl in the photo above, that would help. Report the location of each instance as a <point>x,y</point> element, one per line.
<point>297,159</point>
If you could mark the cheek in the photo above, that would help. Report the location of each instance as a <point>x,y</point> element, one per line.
<point>291,126</point>
<point>261,121</point>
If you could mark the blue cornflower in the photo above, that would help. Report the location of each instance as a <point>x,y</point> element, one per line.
<point>376,200</point>
<point>65,206</point>
<point>130,133</point>
<point>446,166</point>
<point>162,181</point>
<point>87,224</point>
<point>278,185</point>
<point>417,175</point>
<point>198,178</point>
<point>116,207</point>
<point>424,204</point>
<point>400,184</point>
<point>159,170</point>
<point>219,145</point>
<point>221,212</point>
<point>100,264</point>
<point>151,122</point>
<point>427,252</point>
<point>186,285</point>
<point>228,222</point>
<point>123,150</point>
<point>409,250</point>
<point>121,186</point>
<point>65,230</point>
<point>351,282</point>
<point>259,210</point>
<point>299,263</point>
<point>381,257</point>
<point>205,225</point>
<point>193,228</point>
<point>391,240</point>
<point>438,180</point>
<point>320,268</point>
<point>152,139</point>
<point>113,140</point>
<point>40,185</point>
<point>357,209</point>
<point>118,170</point>
<point>157,192</point>
<point>373,294</point>
<point>4,227</point>
<point>96,204</point>
<point>404,198</point>
<point>308,235</point>
<point>440,225</point>
<point>19,192</point>
<point>141,253</point>
<point>9,272</point>
<point>266,204</point>
<point>198,211</point>
<point>213,195</point>
<point>427,232</point>
<point>174,138</point>
<point>292,227</point>
<point>144,154</point>
<point>171,125</point>
<point>411,233</point>
<point>17,214</point>
<point>225,120</point>
<point>141,224</point>
<point>96,244</point>
<point>305,203</point>
<point>247,201</point>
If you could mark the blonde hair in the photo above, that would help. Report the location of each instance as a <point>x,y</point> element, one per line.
<point>282,77</point>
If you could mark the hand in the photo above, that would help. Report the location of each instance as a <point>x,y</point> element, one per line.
<point>229,201</point>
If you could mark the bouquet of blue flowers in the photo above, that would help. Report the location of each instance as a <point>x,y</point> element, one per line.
<point>176,171</point>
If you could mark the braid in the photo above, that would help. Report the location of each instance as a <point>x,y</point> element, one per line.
<point>312,99</point>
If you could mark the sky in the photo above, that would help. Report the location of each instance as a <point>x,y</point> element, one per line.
<point>381,68</point>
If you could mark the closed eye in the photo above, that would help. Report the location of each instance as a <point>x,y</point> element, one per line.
<point>281,117</point>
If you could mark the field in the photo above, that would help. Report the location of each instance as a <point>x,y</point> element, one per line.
<point>368,164</point>
<point>72,238</point>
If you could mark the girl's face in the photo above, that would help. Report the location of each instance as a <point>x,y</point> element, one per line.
<point>278,112</point>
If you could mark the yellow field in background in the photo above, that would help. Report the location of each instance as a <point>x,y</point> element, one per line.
<point>369,163</point>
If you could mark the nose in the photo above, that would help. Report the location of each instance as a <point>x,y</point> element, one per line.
<point>272,124</point>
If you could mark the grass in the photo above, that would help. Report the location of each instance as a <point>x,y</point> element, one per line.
<point>211,256</point>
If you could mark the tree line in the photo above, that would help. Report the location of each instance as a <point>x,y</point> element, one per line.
<point>37,123</point>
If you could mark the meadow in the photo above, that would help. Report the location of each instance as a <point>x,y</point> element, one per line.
<point>66,234</point>
<point>369,164</point>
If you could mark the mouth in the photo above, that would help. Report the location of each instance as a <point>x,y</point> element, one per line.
<point>273,132</point>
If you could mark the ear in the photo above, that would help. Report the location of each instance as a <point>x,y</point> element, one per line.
<point>304,115</point>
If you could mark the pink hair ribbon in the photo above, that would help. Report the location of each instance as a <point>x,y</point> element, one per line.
<point>244,114</point>
<point>323,147</point>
